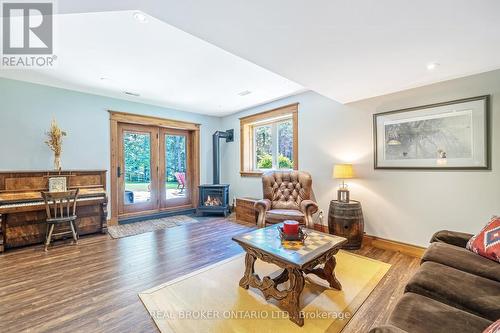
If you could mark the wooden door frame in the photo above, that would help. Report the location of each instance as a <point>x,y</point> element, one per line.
<point>116,117</point>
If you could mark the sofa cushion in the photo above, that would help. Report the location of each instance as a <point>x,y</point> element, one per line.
<point>456,288</point>
<point>280,215</point>
<point>418,314</point>
<point>463,260</point>
<point>456,238</point>
<point>487,242</point>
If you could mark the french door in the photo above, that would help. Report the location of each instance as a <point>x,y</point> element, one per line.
<point>154,169</point>
<point>138,169</point>
<point>175,168</point>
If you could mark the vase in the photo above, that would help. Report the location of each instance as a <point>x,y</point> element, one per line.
<point>57,162</point>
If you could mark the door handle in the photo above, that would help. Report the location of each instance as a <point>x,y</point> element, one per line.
<point>119,172</point>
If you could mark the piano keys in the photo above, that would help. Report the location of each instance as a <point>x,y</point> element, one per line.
<point>22,210</point>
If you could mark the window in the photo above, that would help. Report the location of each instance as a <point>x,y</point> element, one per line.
<point>269,141</point>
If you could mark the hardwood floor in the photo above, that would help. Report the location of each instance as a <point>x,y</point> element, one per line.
<point>93,286</point>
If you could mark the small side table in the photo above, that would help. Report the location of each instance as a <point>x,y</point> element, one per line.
<point>345,219</point>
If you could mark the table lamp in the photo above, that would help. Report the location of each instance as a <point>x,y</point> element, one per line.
<point>343,171</point>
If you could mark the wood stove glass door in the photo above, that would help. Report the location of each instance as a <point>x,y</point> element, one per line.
<point>175,168</point>
<point>137,172</point>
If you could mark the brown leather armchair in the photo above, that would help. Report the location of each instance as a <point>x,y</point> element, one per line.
<point>287,196</point>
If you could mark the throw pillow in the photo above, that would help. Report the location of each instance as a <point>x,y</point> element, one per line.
<point>493,328</point>
<point>487,242</point>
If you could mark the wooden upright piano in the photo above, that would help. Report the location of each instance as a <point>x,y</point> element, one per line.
<point>22,210</point>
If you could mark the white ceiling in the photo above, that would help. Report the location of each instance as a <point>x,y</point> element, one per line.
<point>345,50</point>
<point>165,65</point>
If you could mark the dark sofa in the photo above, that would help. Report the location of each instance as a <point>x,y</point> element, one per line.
<point>454,290</point>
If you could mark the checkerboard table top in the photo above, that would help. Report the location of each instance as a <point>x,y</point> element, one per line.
<point>268,240</point>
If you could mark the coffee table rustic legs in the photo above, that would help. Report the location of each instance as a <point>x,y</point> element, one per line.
<point>291,302</point>
<point>282,278</point>
<point>289,299</point>
<point>249,271</point>
<point>329,270</point>
<point>327,273</point>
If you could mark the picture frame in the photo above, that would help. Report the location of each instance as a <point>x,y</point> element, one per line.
<point>57,184</point>
<point>453,135</point>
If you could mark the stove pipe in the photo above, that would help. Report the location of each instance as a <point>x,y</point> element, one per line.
<point>229,136</point>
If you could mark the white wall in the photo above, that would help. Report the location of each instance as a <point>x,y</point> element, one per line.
<point>406,206</point>
<point>26,111</point>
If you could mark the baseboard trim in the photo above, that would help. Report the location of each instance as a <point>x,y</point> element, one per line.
<point>387,244</point>
<point>320,227</point>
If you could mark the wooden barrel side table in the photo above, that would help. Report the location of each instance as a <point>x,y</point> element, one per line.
<point>346,219</point>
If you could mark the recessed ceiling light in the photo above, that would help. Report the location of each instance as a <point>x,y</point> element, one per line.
<point>432,66</point>
<point>244,93</point>
<point>130,93</point>
<point>141,17</point>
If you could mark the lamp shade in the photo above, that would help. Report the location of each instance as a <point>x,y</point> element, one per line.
<point>343,171</point>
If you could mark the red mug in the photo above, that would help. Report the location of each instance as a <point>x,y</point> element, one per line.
<point>291,227</point>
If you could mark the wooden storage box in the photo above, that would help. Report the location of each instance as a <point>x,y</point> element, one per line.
<point>245,211</point>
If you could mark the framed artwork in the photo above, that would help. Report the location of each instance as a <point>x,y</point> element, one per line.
<point>451,135</point>
<point>57,184</point>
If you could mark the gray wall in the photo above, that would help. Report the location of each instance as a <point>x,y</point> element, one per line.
<point>407,206</point>
<point>26,111</point>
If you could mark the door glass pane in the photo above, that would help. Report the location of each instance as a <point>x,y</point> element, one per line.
<point>263,147</point>
<point>285,145</point>
<point>137,148</point>
<point>175,162</point>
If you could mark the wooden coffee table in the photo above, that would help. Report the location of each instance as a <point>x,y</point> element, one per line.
<point>295,258</point>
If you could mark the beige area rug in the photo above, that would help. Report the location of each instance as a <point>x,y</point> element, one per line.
<point>210,300</point>
<point>136,228</point>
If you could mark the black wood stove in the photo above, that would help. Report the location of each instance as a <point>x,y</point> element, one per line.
<point>214,198</point>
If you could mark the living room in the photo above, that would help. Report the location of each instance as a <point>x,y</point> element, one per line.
<point>186,167</point>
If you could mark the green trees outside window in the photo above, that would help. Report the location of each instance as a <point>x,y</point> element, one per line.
<point>175,146</point>
<point>137,147</point>
<point>274,145</point>
<point>137,157</point>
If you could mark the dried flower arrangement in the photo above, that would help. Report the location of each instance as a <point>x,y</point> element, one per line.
<point>54,141</point>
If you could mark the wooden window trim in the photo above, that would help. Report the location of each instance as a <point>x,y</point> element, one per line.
<point>246,137</point>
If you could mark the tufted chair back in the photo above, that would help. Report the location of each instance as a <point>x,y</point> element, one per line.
<point>286,189</point>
